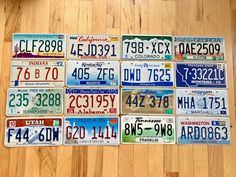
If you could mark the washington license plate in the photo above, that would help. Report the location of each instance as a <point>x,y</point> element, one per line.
<point>51,46</point>
<point>33,73</point>
<point>147,47</point>
<point>33,131</point>
<point>203,130</point>
<point>93,47</point>
<point>199,48</point>
<point>92,73</point>
<point>201,75</point>
<point>141,73</point>
<point>92,131</point>
<point>34,101</point>
<point>202,102</point>
<point>91,101</point>
<point>147,101</point>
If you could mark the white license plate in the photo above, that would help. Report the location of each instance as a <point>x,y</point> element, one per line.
<point>203,130</point>
<point>33,131</point>
<point>92,73</point>
<point>37,73</point>
<point>93,47</point>
<point>91,101</point>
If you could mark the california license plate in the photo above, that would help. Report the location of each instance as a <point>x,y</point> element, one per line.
<point>33,131</point>
<point>201,75</point>
<point>199,48</point>
<point>202,102</point>
<point>203,130</point>
<point>139,73</point>
<point>37,73</point>
<point>92,73</point>
<point>147,130</point>
<point>147,101</point>
<point>51,46</point>
<point>34,101</point>
<point>92,131</point>
<point>93,46</point>
<point>91,101</point>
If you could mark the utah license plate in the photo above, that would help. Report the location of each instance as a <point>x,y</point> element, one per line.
<point>203,130</point>
<point>91,101</point>
<point>92,131</point>
<point>147,101</point>
<point>92,73</point>
<point>33,131</point>
<point>51,46</point>
<point>199,48</point>
<point>34,101</point>
<point>93,47</point>
<point>147,130</point>
<point>141,73</point>
<point>202,102</point>
<point>201,75</point>
<point>33,73</point>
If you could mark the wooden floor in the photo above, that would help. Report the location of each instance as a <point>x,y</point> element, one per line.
<point>176,17</point>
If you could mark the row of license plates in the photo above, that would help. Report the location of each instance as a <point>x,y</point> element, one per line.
<point>108,47</point>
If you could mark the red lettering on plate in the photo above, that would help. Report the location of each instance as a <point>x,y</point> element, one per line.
<point>38,63</point>
<point>70,111</point>
<point>91,39</point>
<point>112,97</point>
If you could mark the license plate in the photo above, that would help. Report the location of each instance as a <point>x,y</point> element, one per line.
<point>202,102</point>
<point>92,73</point>
<point>201,75</point>
<point>33,73</point>
<point>147,101</point>
<point>147,130</point>
<point>33,131</point>
<point>203,130</point>
<point>141,73</point>
<point>92,131</point>
<point>51,46</point>
<point>199,48</point>
<point>91,101</point>
<point>147,47</point>
<point>34,101</point>
<point>93,47</point>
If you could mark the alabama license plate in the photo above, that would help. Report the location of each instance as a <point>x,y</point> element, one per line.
<point>92,73</point>
<point>37,73</point>
<point>203,130</point>
<point>91,101</point>
<point>147,101</point>
<point>199,48</point>
<point>140,73</point>
<point>51,46</point>
<point>34,101</point>
<point>147,130</point>
<point>201,102</point>
<point>33,131</point>
<point>201,75</point>
<point>92,131</point>
<point>93,47</point>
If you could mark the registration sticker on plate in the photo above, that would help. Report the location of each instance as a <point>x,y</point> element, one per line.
<point>92,131</point>
<point>201,102</point>
<point>51,46</point>
<point>37,73</point>
<point>139,73</point>
<point>92,73</point>
<point>34,101</point>
<point>199,48</point>
<point>147,130</point>
<point>147,101</point>
<point>147,47</point>
<point>201,75</point>
<point>203,130</point>
<point>91,101</point>
<point>93,46</point>
<point>33,131</point>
